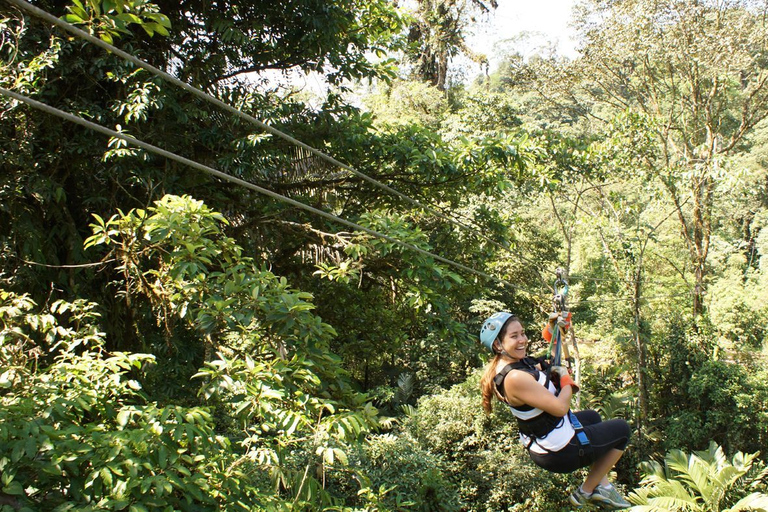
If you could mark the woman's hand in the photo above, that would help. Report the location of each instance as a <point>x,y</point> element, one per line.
<point>564,377</point>
<point>562,319</point>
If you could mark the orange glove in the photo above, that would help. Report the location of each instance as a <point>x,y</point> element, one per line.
<point>566,380</point>
<point>561,376</point>
<point>563,320</point>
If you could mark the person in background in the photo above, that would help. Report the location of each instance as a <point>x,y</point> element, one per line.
<point>557,439</point>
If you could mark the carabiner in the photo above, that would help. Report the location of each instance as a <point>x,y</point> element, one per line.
<point>560,291</point>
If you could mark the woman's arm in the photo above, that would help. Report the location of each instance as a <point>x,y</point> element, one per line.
<point>522,388</point>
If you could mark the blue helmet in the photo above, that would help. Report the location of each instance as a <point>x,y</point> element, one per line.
<point>491,328</point>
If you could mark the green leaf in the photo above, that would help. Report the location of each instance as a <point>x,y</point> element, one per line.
<point>14,489</point>
<point>128,18</point>
<point>106,477</point>
<point>78,10</point>
<point>73,18</point>
<point>163,20</point>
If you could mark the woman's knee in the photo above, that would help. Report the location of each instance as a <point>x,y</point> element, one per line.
<point>622,431</point>
<point>588,417</point>
<point>626,428</point>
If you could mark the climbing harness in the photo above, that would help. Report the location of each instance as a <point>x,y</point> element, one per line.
<point>538,426</point>
<point>533,423</point>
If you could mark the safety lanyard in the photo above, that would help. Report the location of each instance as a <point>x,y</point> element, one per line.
<point>558,300</point>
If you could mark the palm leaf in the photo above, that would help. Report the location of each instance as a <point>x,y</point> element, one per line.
<point>757,478</point>
<point>729,475</point>
<point>698,477</point>
<point>714,454</point>
<point>744,461</point>
<point>677,460</point>
<point>674,503</point>
<point>754,501</point>
<point>653,468</point>
<point>700,482</point>
<point>640,496</point>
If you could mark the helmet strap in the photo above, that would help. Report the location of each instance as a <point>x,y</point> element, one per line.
<point>504,353</point>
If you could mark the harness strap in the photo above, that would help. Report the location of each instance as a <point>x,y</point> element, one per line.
<point>527,364</point>
<point>580,434</point>
<point>499,379</point>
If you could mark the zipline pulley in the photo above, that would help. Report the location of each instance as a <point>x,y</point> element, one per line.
<point>561,290</point>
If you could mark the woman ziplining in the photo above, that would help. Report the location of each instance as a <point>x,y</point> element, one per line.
<point>539,397</point>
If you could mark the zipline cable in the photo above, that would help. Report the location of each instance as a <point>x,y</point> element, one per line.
<point>22,4</point>
<point>622,299</point>
<point>224,176</point>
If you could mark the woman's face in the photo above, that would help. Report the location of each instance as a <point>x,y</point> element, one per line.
<point>514,341</point>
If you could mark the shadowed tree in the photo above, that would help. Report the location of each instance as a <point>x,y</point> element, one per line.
<point>438,33</point>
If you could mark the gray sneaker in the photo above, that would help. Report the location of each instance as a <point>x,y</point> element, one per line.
<point>578,498</point>
<point>609,498</point>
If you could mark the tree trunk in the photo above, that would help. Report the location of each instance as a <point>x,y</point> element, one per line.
<point>642,357</point>
<point>704,192</point>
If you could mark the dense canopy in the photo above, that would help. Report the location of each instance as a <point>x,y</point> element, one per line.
<point>173,341</point>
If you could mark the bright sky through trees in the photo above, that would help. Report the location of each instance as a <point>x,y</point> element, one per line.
<point>515,26</point>
<point>548,18</point>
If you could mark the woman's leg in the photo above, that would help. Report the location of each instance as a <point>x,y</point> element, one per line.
<point>608,440</point>
<point>598,472</point>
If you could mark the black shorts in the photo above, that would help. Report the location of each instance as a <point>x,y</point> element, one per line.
<point>603,437</point>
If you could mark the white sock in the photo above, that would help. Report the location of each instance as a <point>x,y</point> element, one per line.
<point>581,488</point>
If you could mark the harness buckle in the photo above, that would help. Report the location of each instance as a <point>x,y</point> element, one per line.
<point>580,435</point>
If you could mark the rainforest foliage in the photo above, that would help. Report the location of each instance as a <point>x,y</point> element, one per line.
<point>172,341</point>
